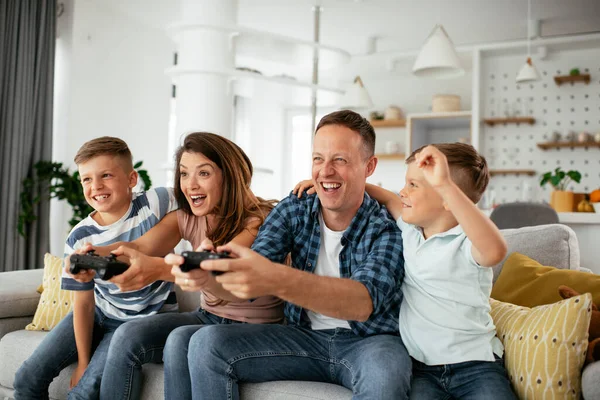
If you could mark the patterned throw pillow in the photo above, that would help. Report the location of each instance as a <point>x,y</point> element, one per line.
<point>544,346</point>
<point>55,303</point>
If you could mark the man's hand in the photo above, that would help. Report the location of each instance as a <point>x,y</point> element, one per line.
<point>192,281</point>
<point>76,375</point>
<point>434,165</point>
<point>84,275</point>
<point>248,275</point>
<point>142,271</point>
<point>304,185</point>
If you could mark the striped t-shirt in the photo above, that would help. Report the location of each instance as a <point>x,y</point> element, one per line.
<point>146,209</point>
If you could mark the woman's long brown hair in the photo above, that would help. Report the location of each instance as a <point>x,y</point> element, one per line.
<point>237,203</point>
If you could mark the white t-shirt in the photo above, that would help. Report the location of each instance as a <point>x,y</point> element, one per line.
<point>328,264</point>
<point>445,313</point>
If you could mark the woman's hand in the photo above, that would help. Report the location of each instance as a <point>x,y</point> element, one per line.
<point>143,270</point>
<point>304,185</point>
<point>84,275</point>
<point>192,281</point>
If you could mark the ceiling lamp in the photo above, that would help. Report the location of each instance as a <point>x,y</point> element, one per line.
<point>528,72</point>
<point>438,58</point>
<point>356,97</point>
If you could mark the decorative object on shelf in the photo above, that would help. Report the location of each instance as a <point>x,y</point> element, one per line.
<point>375,116</point>
<point>445,103</point>
<point>585,206</point>
<point>559,80</point>
<point>528,72</point>
<point>509,120</point>
<point>571,137</point>
<point>438,58</point>
<point>561,199</point>
<point>356,97</point>
<point>584,137</point>
<point>393,113</point>
<point>556,136</point>
<point>558,145</point>
<point>597,137</point>
<point>574,72</point>
<point>63,185</point>
<point>392,147</point>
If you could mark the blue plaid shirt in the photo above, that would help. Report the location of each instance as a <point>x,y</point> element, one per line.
<point>371,254</point>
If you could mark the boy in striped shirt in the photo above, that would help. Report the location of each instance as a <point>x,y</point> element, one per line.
<point>108,178</point>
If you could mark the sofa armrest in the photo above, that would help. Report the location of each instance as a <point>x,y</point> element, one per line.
<point>18,292</point>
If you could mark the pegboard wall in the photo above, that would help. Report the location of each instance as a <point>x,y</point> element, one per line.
<point>570,107</point>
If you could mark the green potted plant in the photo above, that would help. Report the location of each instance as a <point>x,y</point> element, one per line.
<point>561,199</point>
<point>56,180</point>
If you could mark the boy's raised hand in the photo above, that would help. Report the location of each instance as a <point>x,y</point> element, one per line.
<point>434,165</point>
<point>304,185</point>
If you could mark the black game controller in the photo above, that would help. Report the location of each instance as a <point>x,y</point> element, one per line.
<point>105,267</point>
<point>192,259</point>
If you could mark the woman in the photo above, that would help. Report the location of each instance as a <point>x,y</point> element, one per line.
<point>212,187</point>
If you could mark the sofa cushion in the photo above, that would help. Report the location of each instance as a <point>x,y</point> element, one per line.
<point>590,379</point>
<point>526,282</point>
<point>545,346</point>
<point>553,244</point>
<point>18,297</point>
<point>54,303</point>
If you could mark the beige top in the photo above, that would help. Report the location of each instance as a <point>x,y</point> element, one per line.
<point>263,310</point>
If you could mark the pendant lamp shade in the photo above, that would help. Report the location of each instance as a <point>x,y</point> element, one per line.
<point>528,72</point>
<point>438,58</point>
<point>356,97</point>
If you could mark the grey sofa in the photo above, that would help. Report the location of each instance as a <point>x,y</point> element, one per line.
<point>549,244</point>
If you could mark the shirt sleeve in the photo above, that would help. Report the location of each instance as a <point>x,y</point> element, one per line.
<point>66,281</point>
<point>275,237</point>
<point>161,201</point>
<point>382,272</point>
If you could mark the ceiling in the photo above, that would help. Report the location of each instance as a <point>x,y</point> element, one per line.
<point>398,25</point>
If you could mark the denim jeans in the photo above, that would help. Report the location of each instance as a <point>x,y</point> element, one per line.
<point>57,351</point>
<point>142,341</point>
<point>219,357</point>
<point>177,373</point>
<point>467,380</point>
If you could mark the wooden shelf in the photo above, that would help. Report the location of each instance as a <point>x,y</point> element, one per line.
<point>556,145</point>
<point>393,156</point>
<point>388,123</point>
<point>572,78</point>
<point>529,172</point>
<point>509,120</point>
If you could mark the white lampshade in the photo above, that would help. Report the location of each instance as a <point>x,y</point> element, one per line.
<point>528,73</point>
<point>356,97</point>
<point>438,58</point>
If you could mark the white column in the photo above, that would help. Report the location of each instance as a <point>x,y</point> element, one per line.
<point>205,60</point>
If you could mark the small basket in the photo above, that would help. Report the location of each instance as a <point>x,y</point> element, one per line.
<point>445,103</point>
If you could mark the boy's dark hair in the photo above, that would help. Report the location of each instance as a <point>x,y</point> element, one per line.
<point>468,168</point>
<point>105,145</point>
<point>354,122</point>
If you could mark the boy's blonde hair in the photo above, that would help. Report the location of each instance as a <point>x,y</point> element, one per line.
<point>105,145</point>
<point>468,168</point>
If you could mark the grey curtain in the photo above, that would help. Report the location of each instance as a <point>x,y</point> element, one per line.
<point>27,41</point>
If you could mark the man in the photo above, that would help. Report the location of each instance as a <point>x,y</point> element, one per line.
<point>342,293</point>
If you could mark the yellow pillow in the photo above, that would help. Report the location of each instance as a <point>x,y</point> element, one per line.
<point>526,282</point>
<point>55,303</point>
<point>544,346</point>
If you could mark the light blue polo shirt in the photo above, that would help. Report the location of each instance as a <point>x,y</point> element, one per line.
<point>445,313</point>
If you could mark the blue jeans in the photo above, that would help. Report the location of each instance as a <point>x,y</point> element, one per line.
<point>219,357</point>
<point>467,380</point>
<point>57,351</point>
<point>142,341</point>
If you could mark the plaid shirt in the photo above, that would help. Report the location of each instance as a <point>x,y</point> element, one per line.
<point>371,254</point>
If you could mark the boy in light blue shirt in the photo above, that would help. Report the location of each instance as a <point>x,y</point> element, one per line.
<point>449,246</point>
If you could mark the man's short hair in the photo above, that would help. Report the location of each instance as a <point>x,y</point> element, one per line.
<point>354,122</point>
<point>105,145</point>
<point>468,168</point>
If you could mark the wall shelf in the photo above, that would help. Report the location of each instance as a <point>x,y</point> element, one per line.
<point>509,120</point>
<point>392,156</point>
<point>557,145</point>
<point>494,172</point>
<point>572,78</point>
<point>388,123</point>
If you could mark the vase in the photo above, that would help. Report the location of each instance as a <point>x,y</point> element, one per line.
<point>562,201</point>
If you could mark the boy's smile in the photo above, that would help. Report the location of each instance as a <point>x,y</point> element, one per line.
<point>107,187</point>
